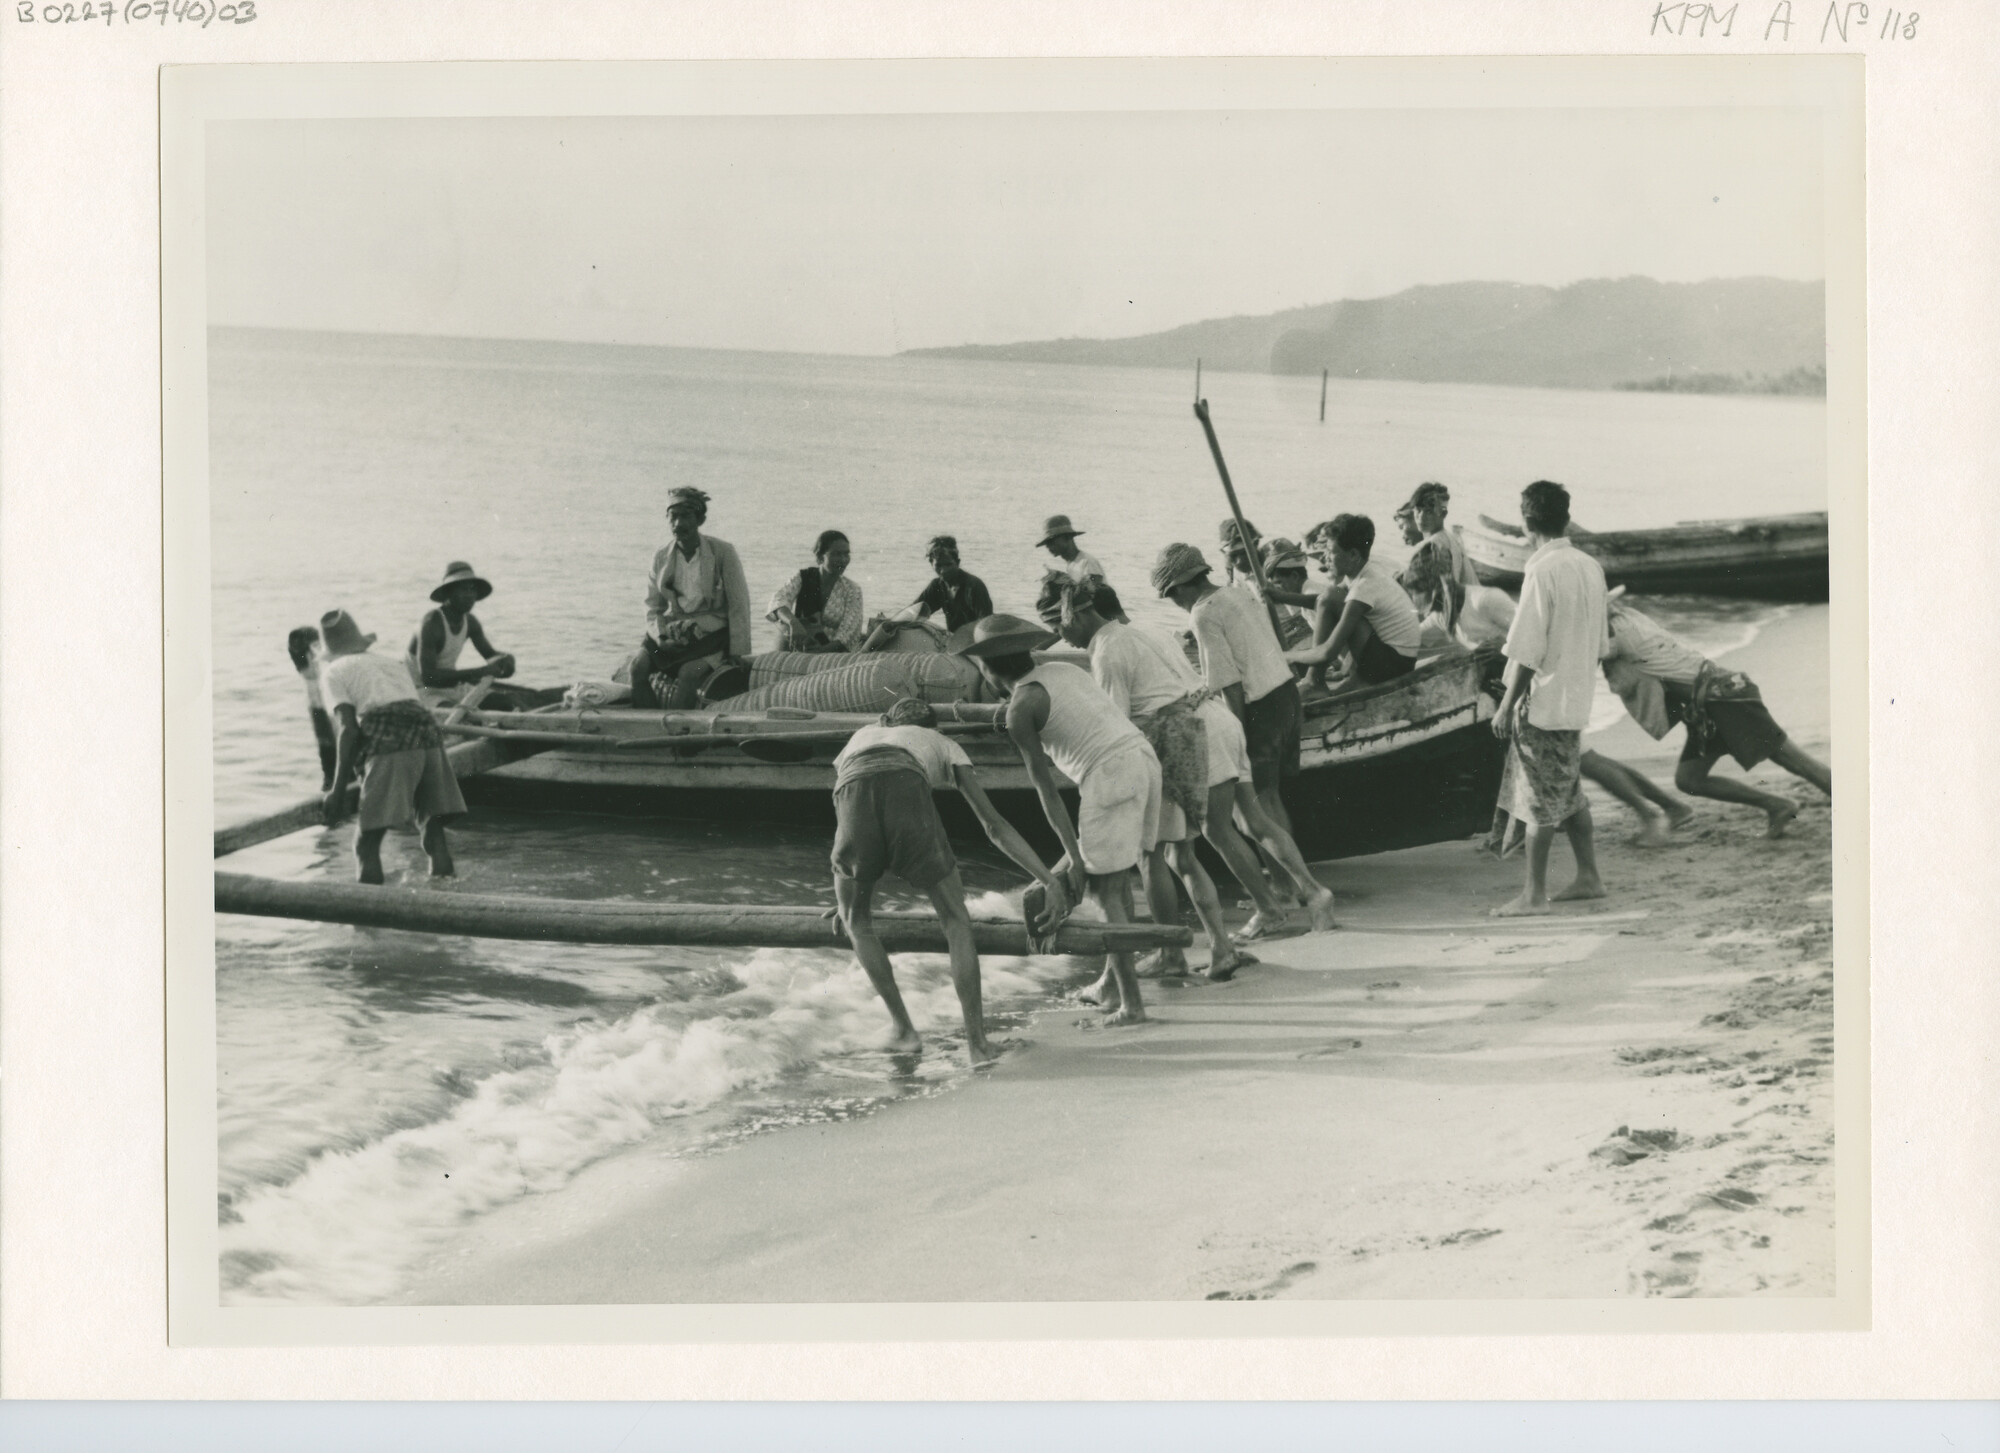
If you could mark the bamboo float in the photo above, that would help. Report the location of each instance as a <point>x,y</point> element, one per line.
<point>677,925</point>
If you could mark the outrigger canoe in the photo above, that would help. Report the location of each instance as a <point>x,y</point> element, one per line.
<point>1410,762</point>
<point>1772,557</point>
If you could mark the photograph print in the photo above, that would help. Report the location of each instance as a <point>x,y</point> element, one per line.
<point>1028,705</point>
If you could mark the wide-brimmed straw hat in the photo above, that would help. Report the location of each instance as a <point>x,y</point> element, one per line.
<point>1056,526</point>
<point>1282,554</point>
<point>458,573</point>
<point>1004,635</point>
<point>1177,565</point>
<point>342,636</point>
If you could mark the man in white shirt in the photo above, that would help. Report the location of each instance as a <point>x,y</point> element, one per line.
<point>1558,638</point>
<point>1241,664</point>
<point>1377,625</point>
<point>697,609</point>
<point>887,822</point>
<point>391,738</point>
<point>1059,539</point>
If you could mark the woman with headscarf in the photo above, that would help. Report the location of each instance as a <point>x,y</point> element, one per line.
<point>819,609</point>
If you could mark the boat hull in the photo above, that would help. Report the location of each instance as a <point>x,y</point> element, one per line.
<point>1414,762</point>
<point>1779,558</point>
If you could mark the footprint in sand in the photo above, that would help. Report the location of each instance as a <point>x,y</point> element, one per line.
<point>1271,1288</point>
<point>1339,1046</point>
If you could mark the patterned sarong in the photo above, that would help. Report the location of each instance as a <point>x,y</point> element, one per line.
<point>399,726</point>
<point>1547,768</point>
<point>1180,740</point>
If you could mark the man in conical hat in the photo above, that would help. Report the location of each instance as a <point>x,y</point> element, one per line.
<point>389,736</point>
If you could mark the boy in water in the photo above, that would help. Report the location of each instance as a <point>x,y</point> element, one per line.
<point>888,822</point>
<point>303,647</point>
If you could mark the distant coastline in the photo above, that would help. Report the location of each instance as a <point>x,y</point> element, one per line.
<point>1726,335</point>
<point>1808,381</point>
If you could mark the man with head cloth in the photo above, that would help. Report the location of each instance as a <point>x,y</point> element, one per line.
<point>697,609</point>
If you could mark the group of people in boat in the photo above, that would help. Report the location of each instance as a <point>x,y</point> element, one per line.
<point>1166,743</point>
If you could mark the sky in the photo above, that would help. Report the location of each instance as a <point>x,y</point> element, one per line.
<point>871,234</point>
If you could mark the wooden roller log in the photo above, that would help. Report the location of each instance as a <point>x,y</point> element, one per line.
<point>683,925</point>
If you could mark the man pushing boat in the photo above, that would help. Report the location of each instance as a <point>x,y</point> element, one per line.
<point>887,822</point>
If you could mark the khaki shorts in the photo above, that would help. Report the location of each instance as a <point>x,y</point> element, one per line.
<point>1228,761</point>
<point>413,786</point>
<point>1118,810</point>
<point>887,822</point>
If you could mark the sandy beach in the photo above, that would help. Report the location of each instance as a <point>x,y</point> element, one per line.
<point>1633,1097</point>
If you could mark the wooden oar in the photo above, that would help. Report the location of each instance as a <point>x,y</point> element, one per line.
<point>1242,525</point>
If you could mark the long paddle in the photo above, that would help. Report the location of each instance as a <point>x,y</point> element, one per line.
<point>1242,525</point>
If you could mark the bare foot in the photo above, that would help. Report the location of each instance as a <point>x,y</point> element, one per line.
<point>1104,991</point>
<point>1652,833</point>
<point>1163,963</point>
<point>1522,907</point>
<point>904,1041</point>
<point>1780,819</point>
<point>1679,817</point>
<point>980,1055</point>
<point>1321,908</point>
<point>1126,1016</point>
<point>1591,887</point>
<point>1223,967</point>
<point>1515,842</point>
<point>1263,925</point>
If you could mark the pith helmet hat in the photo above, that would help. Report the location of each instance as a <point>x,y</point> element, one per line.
<point>342,636</point>
<point>457,573</point>
<point>1004,635</point>
<point>1056,526</point>
<point>1177,565</point>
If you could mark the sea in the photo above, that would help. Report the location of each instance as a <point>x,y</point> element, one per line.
<point>380,1092</point>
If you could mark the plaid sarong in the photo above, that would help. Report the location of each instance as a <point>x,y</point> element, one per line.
<point>399,726</point>
<point>1179,739</point>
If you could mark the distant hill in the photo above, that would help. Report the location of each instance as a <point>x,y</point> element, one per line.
<point>1597,334</point>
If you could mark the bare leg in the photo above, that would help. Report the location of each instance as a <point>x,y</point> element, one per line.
<point>856,902</point>
<point>1163,898</point>
<point>1113,892</point>
<point>1586,884</point>
<point>1799,764</point>
<point>438,849</point>
<point>1636,791</point>
<point>1534,898</point>
<point>641,669</point>
<point>1693,778</point>
<point>1224,958</point>
<point>948,898</point>
<point>368,853</point>
<point>1276,839</point>
<point>1220,830</point>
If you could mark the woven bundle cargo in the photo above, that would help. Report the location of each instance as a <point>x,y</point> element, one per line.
<point>864,683</point>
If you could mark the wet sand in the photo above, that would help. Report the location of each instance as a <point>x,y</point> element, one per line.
<point>1633,1097</point>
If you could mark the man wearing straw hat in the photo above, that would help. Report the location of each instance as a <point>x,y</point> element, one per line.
<point>444,632</point>
<point>887,822</point>
<point>697,609</point>
<point>391,738</point>
<point>1060,721</point>
<point>1059,539</point>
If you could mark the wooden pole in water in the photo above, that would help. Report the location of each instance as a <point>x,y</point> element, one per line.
<point>679,925</point>
<point>1242,525</point>
<point>1322,395</point>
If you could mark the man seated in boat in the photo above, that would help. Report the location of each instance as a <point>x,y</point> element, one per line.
<point>444,633</point>
<point>1204,772</point>
<point>1665,682</point>
<point>1285,572</point>
<point>1378,626</point>
<point>1429,505</point>
<point>697,610</point>
<point>1406,523</point>
<point>1059,539</point>
<point>819,609</point>
<point>390,737</point>
<point>956,591</point>
<point>887,822</point>
<point>1060,721</point>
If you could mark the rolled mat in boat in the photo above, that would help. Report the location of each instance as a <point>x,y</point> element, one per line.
<point>869,684</point>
